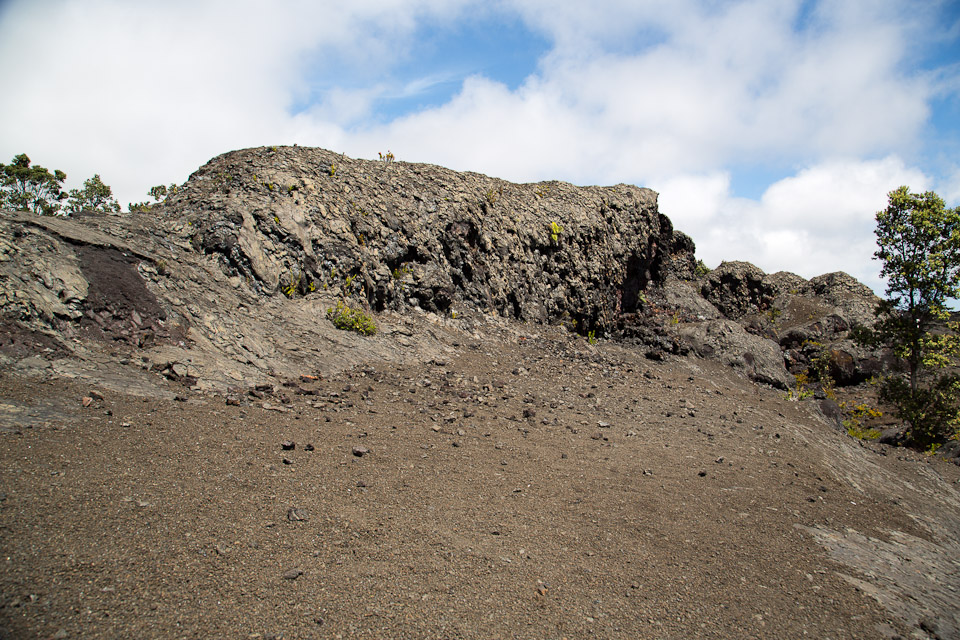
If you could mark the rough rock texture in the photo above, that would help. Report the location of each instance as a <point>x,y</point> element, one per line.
<point>285,232</point>
<point>396,234</point>
<point>760,359</point>
<point>737,288</point>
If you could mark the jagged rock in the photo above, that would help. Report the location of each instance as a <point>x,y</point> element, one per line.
<point>758,358</point>
<point>737,288</point>
<point>856,301</point>
<point>235,272</point>
<point>783,283</point>
<point>398,234</point>
<point>684,296</point>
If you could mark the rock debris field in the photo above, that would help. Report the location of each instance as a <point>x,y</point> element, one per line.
<point>525,485</point>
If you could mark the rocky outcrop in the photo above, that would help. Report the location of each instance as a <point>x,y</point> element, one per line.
<point>398,235</point>
<point>736,288</point>
<point>229,279</point>
<point>725,340</point>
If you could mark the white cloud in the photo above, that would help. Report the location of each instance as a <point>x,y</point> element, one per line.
<point>950,189</point>
<point>817,221</point>
<point>143,93</point>
<point>666,95</point>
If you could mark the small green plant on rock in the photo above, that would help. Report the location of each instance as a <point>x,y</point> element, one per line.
<point>701,269</point>
<point>803,390</point>
<point>555,231</point>
<point>349,318</point>
<point>591,337</point>
<point>292,286</point>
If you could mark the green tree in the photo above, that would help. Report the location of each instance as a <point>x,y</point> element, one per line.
<point>95,196</point>
<point>158,193</point>
<point>919,246</point>
<point>27,188</point>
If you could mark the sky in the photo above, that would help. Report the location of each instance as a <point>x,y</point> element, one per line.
<point>772,129</point>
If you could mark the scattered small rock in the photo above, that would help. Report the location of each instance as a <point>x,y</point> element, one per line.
<point>292,574</point>
<point>360,451</point>
<point>288,445</point>
<point>295,515</point>
<point>87,401</point>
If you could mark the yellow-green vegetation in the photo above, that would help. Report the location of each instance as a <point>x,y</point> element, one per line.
<point>333,168</point>
<point>349,318</point>
<point>918,241</point>
<point>555,231</point>
<point>701,269</point>
<point>591,337</point>
<point>803,390</point>
<point>399,272</point>
<point>294,285</point>
<point>854,422</point>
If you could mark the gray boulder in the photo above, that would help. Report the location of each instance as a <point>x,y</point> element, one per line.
<point>727,341</point>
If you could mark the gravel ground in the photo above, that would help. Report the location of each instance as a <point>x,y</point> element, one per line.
<point>529,486</point>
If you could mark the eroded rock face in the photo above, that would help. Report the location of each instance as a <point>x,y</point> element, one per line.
<point>725,340</point>
<point>399,235</point>
<point>737,288</point>
<point>234,273</point>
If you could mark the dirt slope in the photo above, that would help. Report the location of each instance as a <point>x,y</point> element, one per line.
<point>522,484</point>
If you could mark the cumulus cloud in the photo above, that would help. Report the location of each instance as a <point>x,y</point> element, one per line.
<point>143,93</point>
<point>675,96</point>
<point>817,221</point>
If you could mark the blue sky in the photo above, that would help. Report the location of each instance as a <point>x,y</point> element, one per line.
<point>772,129</point>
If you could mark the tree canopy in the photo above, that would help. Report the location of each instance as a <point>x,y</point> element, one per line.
<point>31,188</point>
<point>919,245</point>
<point>95,196</point>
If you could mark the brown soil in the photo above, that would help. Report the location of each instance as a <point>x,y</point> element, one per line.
<point>528,486</point>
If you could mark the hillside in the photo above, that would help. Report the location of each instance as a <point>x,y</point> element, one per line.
<point>560,428</point>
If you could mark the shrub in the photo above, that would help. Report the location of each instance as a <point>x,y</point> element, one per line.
<point>350,319</point>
